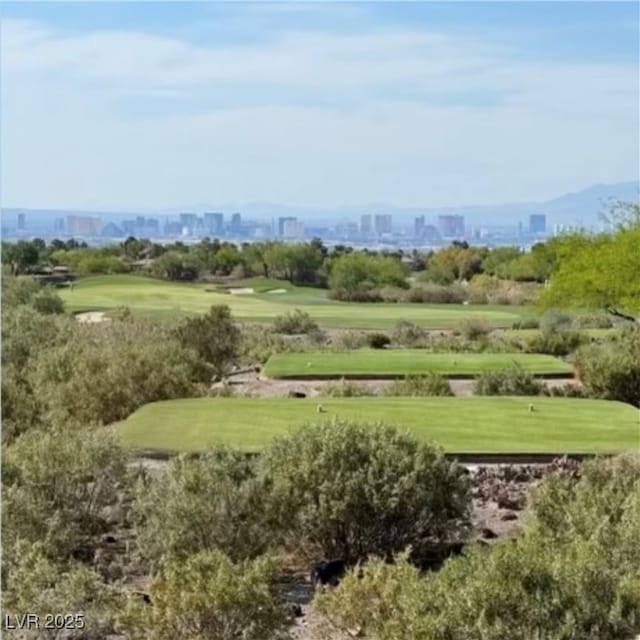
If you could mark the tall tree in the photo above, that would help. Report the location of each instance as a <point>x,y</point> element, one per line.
<point>600,271</point>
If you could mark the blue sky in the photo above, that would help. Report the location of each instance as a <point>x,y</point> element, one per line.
<point>129,105</point>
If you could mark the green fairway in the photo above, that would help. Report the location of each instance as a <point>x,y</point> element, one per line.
<point>473,424</point>
<point>383,363</point>
<point>146,296</point>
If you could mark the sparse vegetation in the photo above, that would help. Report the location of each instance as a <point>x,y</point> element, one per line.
<point>294,322</point>
<point>430,384</point>
<point>513,381</point>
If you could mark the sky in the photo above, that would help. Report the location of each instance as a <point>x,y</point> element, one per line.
<point>153,105</point>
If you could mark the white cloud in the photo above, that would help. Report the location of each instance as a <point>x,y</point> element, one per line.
<point>70,137</point>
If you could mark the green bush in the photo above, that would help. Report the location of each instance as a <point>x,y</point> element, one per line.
<point>555,343</point>
<point>55,486</point>
<point>33,583</point>
<point>348,490</point>
<point>206,595</point>
<point>526,323</point>
<point>430,293</point>
<point>346,389</point>
<point>573,573</point>
<point>474,328</point>
<point>378,340</point>
<point>593,321</point>
<point>294,322</point>
<point>553,320</point>
<point>407,334</point>
<point>612,370</point>
<point>214,337</point>
<point>513,381</point>
<point>349,340</point>
<point>430,384</point>
<point>211,502</point>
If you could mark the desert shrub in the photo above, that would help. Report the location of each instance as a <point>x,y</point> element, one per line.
<point>553,320</point>
<point>434,293</point>
<point>474,328</point>
<point>258,343</point>
<point>378,340</point>
<point>572,573</point>
<point>213,336</point>
<point>108,370</point>
<point>33,583</point>
<point>612,370</point>
<point>347,295</point>
<point>513,381</point>
<point>18,290</point>
<point>361,272</point>
<point>55,487</point>
<point>349,490</point>
<point>120,313</point>
<point>567,390</point>
<point>206,595</point>
<point>348,340</point>
<point>555,343</point>
<point>294,322</point>
<point>346,389</point>
<point>526,323</point>
<point>430,384</point>
<point>48,301</point>
<point>408,334</point>
<point>211,502</point>
<point>592,321</point>
<point>392,294</point>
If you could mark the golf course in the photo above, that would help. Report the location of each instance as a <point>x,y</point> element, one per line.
<point>260,300</point>
<point>383,363</point>
<point>469,424</point>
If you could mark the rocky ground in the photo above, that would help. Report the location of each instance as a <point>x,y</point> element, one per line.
<point>251,383</point>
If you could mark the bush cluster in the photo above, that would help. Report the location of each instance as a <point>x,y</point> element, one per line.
<point>295,322</point>
<point>430,384</point>
<point>513,381</point>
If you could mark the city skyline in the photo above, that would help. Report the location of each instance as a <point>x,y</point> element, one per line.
<point>135,106</point>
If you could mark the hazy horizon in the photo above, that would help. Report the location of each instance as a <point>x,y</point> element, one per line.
<point>141,106</point>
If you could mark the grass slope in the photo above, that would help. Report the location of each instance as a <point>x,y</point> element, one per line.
<point>146,296</point>
<point>372,363</point>
<point>474,424</point>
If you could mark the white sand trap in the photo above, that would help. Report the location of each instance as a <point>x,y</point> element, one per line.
<point>276,291</point>
<point>91,316</point>
<point>241,291</point>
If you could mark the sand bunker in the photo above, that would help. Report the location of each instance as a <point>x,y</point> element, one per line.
<point>241,291</point>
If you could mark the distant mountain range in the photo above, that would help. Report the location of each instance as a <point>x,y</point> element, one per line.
<point>578,208</point>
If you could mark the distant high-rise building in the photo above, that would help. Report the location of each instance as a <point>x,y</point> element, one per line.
<point>418,227</point>
<point>236,224</point>
<point>152,226</point>
<point>214,223</point>
<point>451,227</point>
<point>21,222</point>
<point>188,223</point>
<point>382,223</point>
<point>86,226</point>
<point>281,222</point>
<point>293,229</point>
<point>366,226</point>
<point>537,223</point>
<point>58,225</point>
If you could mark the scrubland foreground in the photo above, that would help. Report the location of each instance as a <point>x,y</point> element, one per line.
<point>217,544</point>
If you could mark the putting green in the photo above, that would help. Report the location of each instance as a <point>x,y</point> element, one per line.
<point>473,424</point>
<point>147,296</point>
<point>383,363</point>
